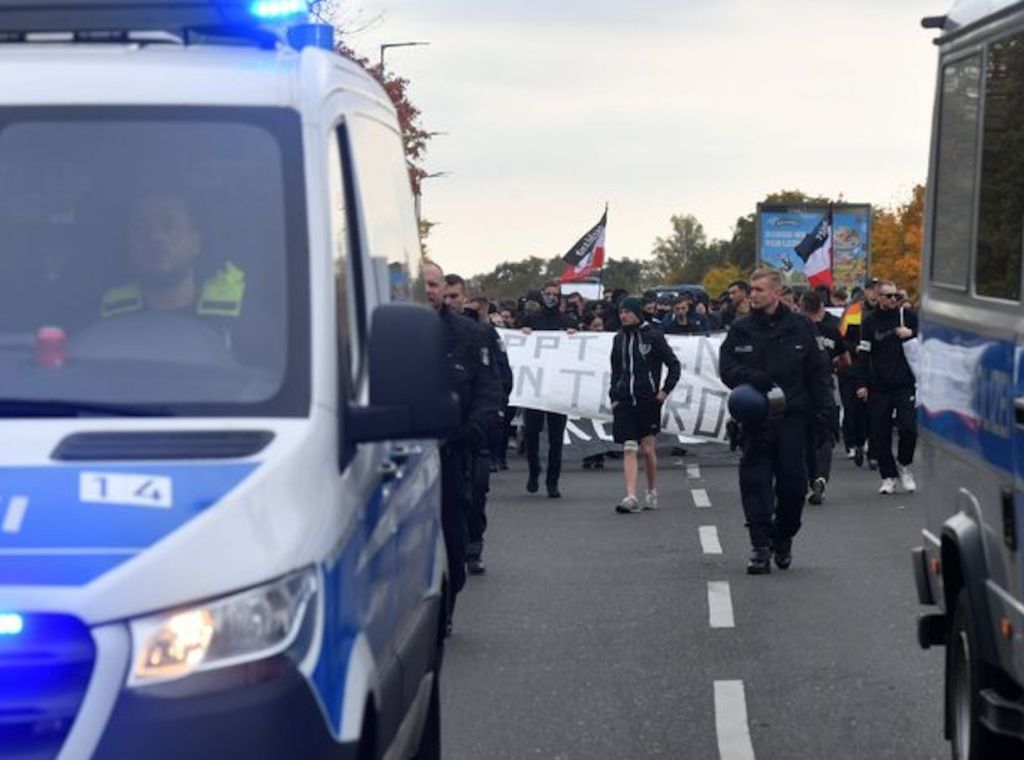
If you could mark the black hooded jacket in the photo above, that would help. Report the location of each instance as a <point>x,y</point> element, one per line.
<point>638,355</point>
<point>780,349</point>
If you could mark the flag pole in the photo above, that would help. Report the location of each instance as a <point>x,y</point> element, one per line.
<point>600,280</point>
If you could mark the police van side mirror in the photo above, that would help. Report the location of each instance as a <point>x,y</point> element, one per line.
<point>410,393</point>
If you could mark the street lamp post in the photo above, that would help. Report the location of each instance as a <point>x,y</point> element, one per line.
<point>387,45</point>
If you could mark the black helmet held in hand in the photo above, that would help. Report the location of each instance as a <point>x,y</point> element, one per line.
<point>750,407</point>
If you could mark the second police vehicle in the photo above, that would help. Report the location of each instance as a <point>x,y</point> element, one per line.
<point>971,379</point>
<point>219,490</point>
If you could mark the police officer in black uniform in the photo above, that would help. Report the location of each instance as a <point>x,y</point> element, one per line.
<point>476,383</point>
<point>480,459</point>
<point>771,347</point>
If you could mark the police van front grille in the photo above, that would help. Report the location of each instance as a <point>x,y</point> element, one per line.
<point>44,672</point>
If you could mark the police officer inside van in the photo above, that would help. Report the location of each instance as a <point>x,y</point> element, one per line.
<point>164,247</point>
<point>775,349</point>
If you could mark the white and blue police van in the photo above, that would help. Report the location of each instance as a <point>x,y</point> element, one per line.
<point>971,379</point>
<point>219,478</point>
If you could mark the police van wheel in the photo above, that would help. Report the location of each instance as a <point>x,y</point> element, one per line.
<point>965,679</point>
<point>430,739</point>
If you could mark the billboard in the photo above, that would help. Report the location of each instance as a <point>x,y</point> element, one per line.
<point>785,233</point>
<point>851,240</point>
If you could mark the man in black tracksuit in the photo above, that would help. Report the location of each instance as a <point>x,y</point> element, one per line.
<point>776,347</point>
<point>884,379</point>
<point>639,351</point>
<point>548,317</point>
<point>476,383</point>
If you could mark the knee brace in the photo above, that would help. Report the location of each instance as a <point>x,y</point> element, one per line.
<point>631,446</point>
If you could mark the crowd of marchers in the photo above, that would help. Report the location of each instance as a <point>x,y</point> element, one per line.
<point>803,379</point>
<point>808,368</point>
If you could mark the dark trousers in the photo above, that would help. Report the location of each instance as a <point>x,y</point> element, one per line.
<point>819,456</point>
<point>819,451</point>
<point>497,439</point>
<point>476,516</point>
<point>881,404</point>
<point>533,422</point>
<point>855,414</point>
<point>773,479</point>
<point>455,492</point>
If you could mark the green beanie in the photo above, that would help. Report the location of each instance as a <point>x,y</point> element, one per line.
<point>633,304</point>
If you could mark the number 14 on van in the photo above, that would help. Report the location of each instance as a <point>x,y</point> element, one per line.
<point>119,488</point>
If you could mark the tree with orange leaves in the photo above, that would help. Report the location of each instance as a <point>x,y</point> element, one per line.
<point>897,238</point>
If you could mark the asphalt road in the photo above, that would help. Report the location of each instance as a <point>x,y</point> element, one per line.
<point>594,635</point>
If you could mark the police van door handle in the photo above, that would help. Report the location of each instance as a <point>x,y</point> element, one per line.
<point>1018,411</point>
<point>400,454</point>
<point>389,472</point>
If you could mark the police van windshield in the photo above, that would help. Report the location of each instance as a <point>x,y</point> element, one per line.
<point>152,261</point>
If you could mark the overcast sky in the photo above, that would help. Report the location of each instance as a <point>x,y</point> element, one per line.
<point>657,107</point>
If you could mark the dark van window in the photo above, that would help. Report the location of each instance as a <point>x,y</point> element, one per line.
<point>1001,208</point>
<point>954,199</point>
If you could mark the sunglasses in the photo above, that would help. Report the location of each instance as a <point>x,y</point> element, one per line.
<point>888,295</point>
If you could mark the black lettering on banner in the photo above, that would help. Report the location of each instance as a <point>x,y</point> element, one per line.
<point>583,339</point>
<point>606,386</point>
<point>678,345</point>
<point>550,342</point>
<point>513,339</point>
<point>577,376</point>
<point>571,428</point>
<point>601,430</point>
<point>535,376</point>
<point>674,407</point>
<point>711,413</point>
<point>706,350</point>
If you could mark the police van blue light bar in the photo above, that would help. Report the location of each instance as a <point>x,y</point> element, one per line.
<point>175,16</point>
<point>11,624</point>
<point>270,10</point>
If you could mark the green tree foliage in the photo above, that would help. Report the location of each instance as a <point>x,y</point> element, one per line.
<point>678,254</point>
<point>512,279</point>
<point>629,274</point>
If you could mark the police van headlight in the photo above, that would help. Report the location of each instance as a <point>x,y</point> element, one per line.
<point>252,625</point>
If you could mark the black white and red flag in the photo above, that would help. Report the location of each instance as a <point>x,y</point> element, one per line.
<point>816,251</point>
<point>587,256</point>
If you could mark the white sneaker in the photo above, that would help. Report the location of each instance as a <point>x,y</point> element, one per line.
<point>888,486</point>
<point>907,479</point>
<point>851,453</point>
<point>651,499</point>
<point>627,505</point>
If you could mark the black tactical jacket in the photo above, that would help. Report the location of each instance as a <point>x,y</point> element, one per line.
<point>474,377</point>
<point>780,349</point>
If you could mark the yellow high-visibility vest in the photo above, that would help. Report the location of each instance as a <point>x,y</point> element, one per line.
<point>222,296</point>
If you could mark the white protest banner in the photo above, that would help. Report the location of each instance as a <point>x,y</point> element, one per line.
<point>571,374</point>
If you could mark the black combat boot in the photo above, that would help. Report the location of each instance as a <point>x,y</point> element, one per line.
<point>783,553</point>
<point>760,561</point>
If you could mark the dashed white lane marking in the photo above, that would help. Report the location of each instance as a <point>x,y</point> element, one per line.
<point>720,605</point>
<point>700,498</point>
<point>693,471</point>
<point>709,540</point>
<point>731,721</point>
<point>15,514</point>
